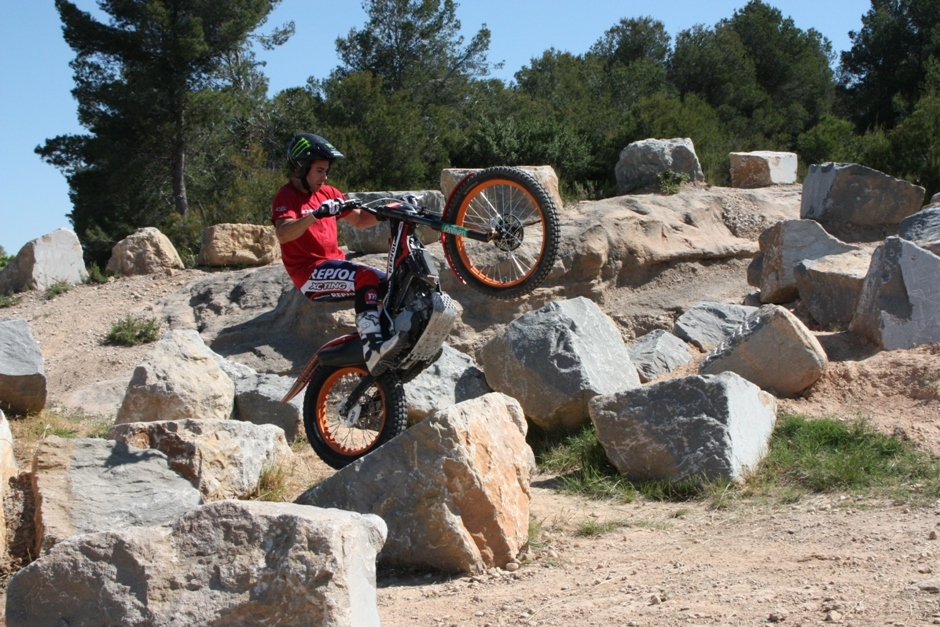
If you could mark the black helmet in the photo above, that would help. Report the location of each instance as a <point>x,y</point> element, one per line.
<point>305,148</point>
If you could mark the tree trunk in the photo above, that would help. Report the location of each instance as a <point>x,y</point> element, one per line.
<point>179,167</point>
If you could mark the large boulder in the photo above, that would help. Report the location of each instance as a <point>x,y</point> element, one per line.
<point>773,350</point>
<point>452,379</point>
<point>899,306</point>
<point>22,369</point>
<point>708,323</point>
<point>829,286</point>
<point>641,162</point>
<point>555,359</point>
<point>658,352</point>
<point>375,239</point>
<point>223,459</point>
<point>145,251</point>
<point>923,228</point>
<point>239,245</point>
<point>762,168</point>
<point>785,245</point>
<point>854,194</point>
<point>544,174</point>
<point>178,379</point>
<point>87,485</point>
<point>8,467</point>
<point>231,563</point>
<point>698,427</point>
<point>453,489</point>
<point>53,258</point>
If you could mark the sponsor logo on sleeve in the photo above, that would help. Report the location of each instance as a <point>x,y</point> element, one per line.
<point>280,209</point>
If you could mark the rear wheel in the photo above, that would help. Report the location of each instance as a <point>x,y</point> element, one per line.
<point>521,213</point>
<point>379,415</point>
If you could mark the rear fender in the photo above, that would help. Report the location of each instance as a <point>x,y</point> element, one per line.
<point>343,351</point>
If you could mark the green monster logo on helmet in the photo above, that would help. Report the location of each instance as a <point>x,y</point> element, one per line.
<point>301,145</point>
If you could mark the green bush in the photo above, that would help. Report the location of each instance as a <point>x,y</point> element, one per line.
<point>96,274</point>
<point>130,331</point>
<point>670,182</point>
<point>4,258</point>
<point>9,300</point>
<point>56,289</point>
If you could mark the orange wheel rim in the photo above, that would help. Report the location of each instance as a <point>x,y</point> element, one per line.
<point>478,273</point>
<point>337,434</point>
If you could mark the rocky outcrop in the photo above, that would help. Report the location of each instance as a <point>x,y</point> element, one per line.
<point>848,193</point>
<point>178,379</point>
<point>452,379</point>
<point>555,359</point>
<point>43,262</point>
<point>375,238</point>
<point>658,352</point>
<point>699,427</point>
<point>238,245</point>
<point>899,306</point>
<point>145,251</point>
<point>708,323</point>
<point>773,350</point>
<point>22,369</point>
<point>223,459</point>
<point>829,286</point>
<point>923,228</point>
<point>258,398</point>
<point>226,563</point>
<point>785,245</point>
<point>87,485</point>
<point>544,174</point>
<point>762,168</point>
<point>453,489</point>
<point>642,161</point>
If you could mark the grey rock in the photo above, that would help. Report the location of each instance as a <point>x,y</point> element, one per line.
<point>923,226</point>
<point>234,563</point>
<point>145,251</point>
<point>899,306</point>
<point>852,193</point>
<point>762,168</point>
<point>712,427</point>
<point>223,459</point>
<point>452,379</point>
<point>773,350</point>
<point>53,258</point>
<point>642,161</point>
<point>785,245</point>
<point>178,379</point>
<point>657,352</point>
<point>87,485</point>
<point>453,489</point>
<point>830,286</point>
<point>22,369</point>
<point>708,323</point>
<point>8,467</point>
<point>555,359</point>
<point>375,239</point>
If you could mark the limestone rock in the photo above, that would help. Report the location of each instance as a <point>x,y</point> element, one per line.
<point>899,306</point>
<point>239,245</point>
<point>785,245</point>
<point>453,489</point>
<point>657,352</point>
<point>87,485</point>
<point>22,369</point>
<point>8,467</point>
<point>235,563</point>
<point>829,286</point>
<point>178,379</point>
<point>852,193</point>
<point>145,251</point>
<point>555,359</point>
<point>922,227</point>
<point>452,379</point>
<point>642,161</point>
<point>762,168</point>
<point>773,350</point>
<point>223,459</point>
<point>544,174</point>
<point>713,427</point>
<point>53,258</point>
<point>375,239</point>
<point>708,323</point>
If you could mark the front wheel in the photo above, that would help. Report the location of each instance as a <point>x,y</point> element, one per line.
<point>379,415</point>
<point>520,212</point>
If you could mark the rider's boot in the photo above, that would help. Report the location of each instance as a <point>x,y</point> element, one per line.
<point>374,345</point>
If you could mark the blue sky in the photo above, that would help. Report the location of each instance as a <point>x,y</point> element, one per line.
<point>36,101</point>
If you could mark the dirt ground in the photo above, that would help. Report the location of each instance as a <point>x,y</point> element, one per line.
<point>836,558</point>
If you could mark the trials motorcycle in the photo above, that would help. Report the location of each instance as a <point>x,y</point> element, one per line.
<point>499,231</point>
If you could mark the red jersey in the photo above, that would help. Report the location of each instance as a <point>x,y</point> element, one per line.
<point>318,243</point>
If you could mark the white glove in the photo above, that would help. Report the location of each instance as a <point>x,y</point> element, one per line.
<point>330,208</point>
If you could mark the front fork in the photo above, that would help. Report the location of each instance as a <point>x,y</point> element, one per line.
<point>352,408</point>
